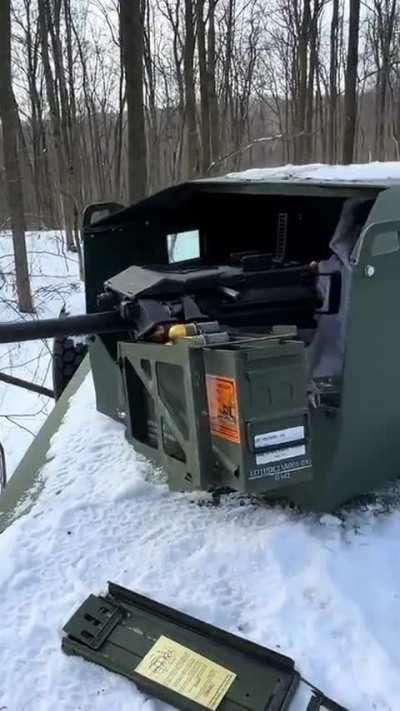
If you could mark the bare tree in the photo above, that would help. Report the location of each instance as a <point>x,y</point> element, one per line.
<point>192,148</point>
<point>350,94</point>
<point>49,24</point>
<point>212,82</point>
<point>333,81</point>
<point>204,87</point>
<point>9,120</point>
<point>382,27</point>
<point>151,92</point>
<point>132,31</point>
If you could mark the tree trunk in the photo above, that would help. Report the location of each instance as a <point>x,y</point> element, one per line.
<point>385,30</point>
<point>154,179</point>
<point>204,89</point>
<point>311,107</point>
<point>214,109</point>
<point>9,119</point>
<point>350,92</point>
<point>192,167</point>
<point>333,78</point>
<point>302,68</point>
<point>47,31</point>
<point>131,30</point>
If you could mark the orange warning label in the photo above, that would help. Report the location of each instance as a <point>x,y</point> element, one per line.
<point>223,408</point>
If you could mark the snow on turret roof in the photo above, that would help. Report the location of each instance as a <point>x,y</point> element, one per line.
<point>178,197</point>
<point>368,173</point>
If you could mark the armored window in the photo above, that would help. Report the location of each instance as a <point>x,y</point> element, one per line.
<point>183,246</point>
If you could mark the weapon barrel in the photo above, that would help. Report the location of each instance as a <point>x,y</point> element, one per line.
<point>105,322</point>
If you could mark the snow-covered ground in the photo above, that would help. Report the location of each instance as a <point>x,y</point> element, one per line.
<point>323,590</point>
<point>55,279</point>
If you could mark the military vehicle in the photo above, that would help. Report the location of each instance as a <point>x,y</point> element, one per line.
<point>244,332</point>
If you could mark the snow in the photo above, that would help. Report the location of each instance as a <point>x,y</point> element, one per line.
<point>55,280</point>
<point>75,303</point>
<point>324,590</point>
<point>374,172</point>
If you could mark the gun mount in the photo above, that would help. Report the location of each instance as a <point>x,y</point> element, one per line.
<point>141,300</point>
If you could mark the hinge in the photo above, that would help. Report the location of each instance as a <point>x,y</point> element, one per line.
<point>94,622</point>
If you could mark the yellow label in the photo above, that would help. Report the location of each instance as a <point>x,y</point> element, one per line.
<point>190,674</point>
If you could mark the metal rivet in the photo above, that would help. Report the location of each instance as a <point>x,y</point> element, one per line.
<point>369,270</point>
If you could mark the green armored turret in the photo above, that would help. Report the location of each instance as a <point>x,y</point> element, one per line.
<point>245,334</point>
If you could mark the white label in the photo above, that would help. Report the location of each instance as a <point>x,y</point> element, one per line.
<point>279,454</point>
<point>268,439</point>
